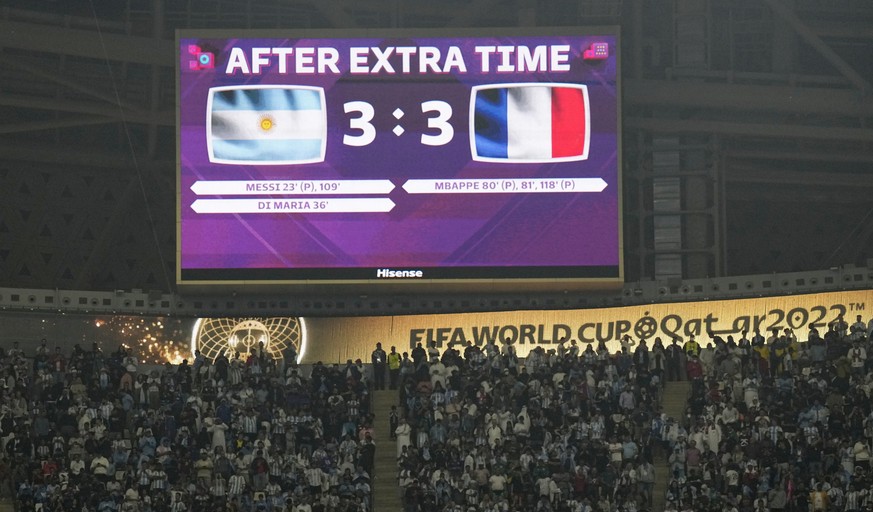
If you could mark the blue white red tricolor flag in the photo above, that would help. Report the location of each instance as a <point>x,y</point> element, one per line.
<point>529,122</point>
<point>266,125</point>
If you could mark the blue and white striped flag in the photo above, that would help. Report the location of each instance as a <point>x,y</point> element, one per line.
<point>266,125</point>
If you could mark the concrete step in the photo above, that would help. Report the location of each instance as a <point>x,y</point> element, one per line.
<point>674,400</point>
<point>386,494</point>
<point>386,469</point>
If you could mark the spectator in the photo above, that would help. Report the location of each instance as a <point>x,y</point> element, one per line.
<point>532,436</point>
<point>786,427</point>
<point>394,360</point>
<point>104,434</point>
<point>379,361</point>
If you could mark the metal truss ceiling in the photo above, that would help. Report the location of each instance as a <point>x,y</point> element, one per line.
<point>87,138</point>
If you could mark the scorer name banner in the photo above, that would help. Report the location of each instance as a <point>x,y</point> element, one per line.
<point>339,339</point>
<point>364,152</point>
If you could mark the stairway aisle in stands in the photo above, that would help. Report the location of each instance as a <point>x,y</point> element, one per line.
<point>673,403</point>
<point>386,495</point>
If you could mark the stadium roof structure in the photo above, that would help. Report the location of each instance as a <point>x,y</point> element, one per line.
<point>747,138</point>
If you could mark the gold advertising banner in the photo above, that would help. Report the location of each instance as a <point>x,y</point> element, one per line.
<point>333,340</point>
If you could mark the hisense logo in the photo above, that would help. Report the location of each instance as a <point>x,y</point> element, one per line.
<point>387,272</point>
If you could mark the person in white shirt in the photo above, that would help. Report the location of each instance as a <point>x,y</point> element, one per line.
<point>218,430</point>
<point>732,479</point>
<point>521,429</point>
<point>542,484</point>
<point>646,480</point>
<point>862,454</point>
<point>304,506</point>
<point>77,465</point>
<point>495,434</point>
<point>857,357</point>
<point>100,467</point>
<point>858,329</point>
<point>497,483</point>
<point>403,433</point>
<point>729,415</point>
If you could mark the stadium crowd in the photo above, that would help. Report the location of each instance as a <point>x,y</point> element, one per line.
<point>96,432</point>
<point>776,424</point>
<point>772,424</point>
<point>567,430</point>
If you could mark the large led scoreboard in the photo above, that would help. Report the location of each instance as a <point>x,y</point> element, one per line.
<point>419,157</point>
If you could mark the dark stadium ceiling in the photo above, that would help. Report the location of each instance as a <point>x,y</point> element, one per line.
<point>747,138</point>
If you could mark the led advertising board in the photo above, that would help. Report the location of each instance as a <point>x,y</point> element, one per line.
<point>335,157</point>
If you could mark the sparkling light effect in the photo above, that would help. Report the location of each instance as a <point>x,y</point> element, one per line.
<point>151,339</point>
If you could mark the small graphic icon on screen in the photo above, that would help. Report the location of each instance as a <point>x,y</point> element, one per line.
<point>266,125</point>
<point>200,59</point>
<point>597,51</point>
<point>529,122</point>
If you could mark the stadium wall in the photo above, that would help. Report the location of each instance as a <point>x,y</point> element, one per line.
<point>332,340</point>
<point>339,339</point>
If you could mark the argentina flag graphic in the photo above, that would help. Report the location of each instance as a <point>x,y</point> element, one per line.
<point>266,125</point>
<point>529,123</point>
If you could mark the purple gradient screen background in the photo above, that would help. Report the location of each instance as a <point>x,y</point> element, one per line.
<point>422,231</point>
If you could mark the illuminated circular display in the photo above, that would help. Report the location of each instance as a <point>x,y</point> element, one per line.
<point>212,336</point>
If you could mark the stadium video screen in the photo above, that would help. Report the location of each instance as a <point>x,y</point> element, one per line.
<point>367,157</point>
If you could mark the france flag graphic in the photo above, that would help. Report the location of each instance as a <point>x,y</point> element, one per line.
<point>266,125</point>
<point>529,123</point>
